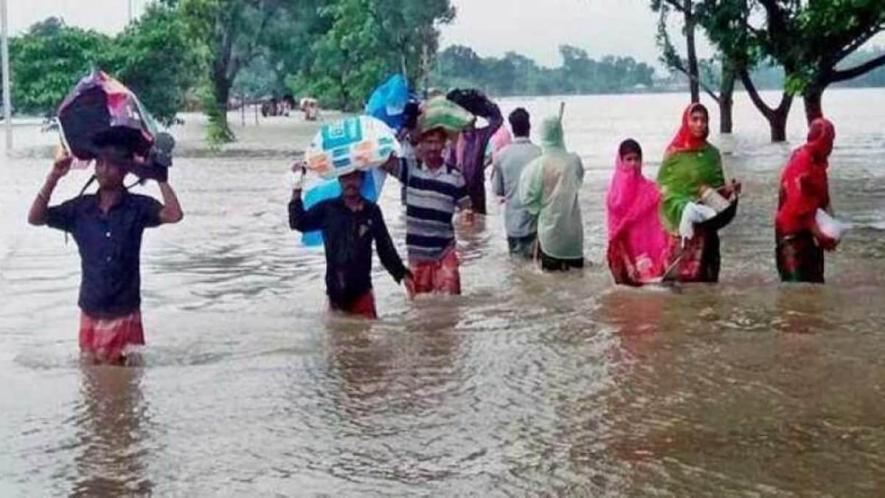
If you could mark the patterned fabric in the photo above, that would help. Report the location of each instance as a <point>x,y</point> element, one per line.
<point>109,340</point>
<point>441,276</point>
<point>363,306</point>
<point>432,196</point>
<point>799,259</point>
<point>698,261</point>
<point>636,238</point>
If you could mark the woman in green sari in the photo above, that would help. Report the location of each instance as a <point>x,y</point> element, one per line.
<point>692,166</point>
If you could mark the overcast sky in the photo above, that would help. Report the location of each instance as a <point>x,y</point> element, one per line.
<point>492,27</point>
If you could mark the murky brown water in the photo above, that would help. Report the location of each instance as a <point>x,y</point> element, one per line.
<point>528,384</point>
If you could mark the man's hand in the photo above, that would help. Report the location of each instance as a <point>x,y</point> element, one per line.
<point>469,217</point>
<point>296,175</point>
<point>409,284</point>
<point>61,167</point>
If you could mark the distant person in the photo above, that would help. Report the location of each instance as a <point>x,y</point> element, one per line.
<point>638,245</point>
<point>692,166</point>
<point>804,189</point>
<point>108,228</point>
<point>350,224</point>
<point>508,166</point>
<point>435,190</point>
<point>549,188</point>
<point>470,148</point>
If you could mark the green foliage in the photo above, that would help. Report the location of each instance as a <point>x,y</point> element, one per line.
<point>157,60</point>
<point>47,62</point>
<point>515,74</point>
<point>153,57</point>
<point>362,42</point>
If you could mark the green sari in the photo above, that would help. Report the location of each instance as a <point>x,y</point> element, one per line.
<point>681,176</point>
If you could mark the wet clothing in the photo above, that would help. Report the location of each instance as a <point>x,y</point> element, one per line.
<point>443,276</point>
<point>689,164</point>
<point>110,249</point>
<point>508,166</point>
<point>638,245</point>
<point>363,306</point>
<point>470,152</point>
<point>108,340</point>
<point>432,196</point>
<point>549,188</point>
<point>799,258</point>
<point>549,263</point>
<point>522,246</point>
<point>804,188</point>
<point>348,237</point>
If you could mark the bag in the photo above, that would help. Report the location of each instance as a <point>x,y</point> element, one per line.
<point>101,109</point>
<point>440,112</point>
<point>353,144</point>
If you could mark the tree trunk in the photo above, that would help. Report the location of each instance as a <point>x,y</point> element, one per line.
<point>726,98</point>
<point>693,73</point>
<point>812,98</point>
<point>219,129</point>
<point>777,118</point>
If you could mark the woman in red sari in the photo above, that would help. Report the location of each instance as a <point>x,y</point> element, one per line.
<point>803,190</point>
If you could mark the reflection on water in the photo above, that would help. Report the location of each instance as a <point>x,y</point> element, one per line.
<point>110,424</point>
<point>527,384</point>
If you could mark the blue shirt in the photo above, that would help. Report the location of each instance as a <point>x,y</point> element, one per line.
<point>431,199</point>
<point>110,247</point>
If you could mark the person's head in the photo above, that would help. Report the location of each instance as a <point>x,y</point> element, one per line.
<point>520,122</point>
<point>821,136</point>
<point>351,184</point>
<point>431,146</point>
<point>552,135</point>
<point>110,165</point>
<point>699,121</point>
<point>630,153</point>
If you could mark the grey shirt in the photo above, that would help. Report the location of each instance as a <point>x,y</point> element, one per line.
<point>508,167</point>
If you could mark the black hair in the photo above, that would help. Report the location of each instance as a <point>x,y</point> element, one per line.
<point>629,146</point>
<point>520,122</point>
<point>700,107</point>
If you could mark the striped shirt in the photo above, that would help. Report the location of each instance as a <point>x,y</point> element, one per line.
<point>431,199</point>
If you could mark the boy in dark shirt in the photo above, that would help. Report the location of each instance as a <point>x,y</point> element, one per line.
<point>349,224</point>
<point>107,227</point>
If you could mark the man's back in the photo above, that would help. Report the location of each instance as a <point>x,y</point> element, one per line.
<point>509,166</point>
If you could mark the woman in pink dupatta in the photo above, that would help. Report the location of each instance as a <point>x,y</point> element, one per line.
<point>637,242</point>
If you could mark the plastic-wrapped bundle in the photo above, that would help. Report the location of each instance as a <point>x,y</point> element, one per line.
<point>440,112</point>
<point>100,108</point>
<point>358,143</point>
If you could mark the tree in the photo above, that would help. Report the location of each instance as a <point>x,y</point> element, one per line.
<point>725,79</point>
<point>48,60</point>
<point>808,39</point>
<point>155,58</point>
<point>367,40</point>
<point>232,32</point>
<point>690,66</point>
<point>409,28</point>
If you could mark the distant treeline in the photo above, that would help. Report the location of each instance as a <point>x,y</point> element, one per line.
<point>516,74</point>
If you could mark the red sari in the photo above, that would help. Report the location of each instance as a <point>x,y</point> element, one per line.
<point>804,188</point>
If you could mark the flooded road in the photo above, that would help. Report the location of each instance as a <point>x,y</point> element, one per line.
<point>527,384</point>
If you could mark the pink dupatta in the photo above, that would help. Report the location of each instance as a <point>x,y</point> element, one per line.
<point>638,243</point>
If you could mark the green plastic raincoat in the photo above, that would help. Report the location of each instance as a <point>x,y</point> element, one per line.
<point>549,187</point>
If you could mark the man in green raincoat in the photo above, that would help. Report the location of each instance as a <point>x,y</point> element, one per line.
<point>549,188</point>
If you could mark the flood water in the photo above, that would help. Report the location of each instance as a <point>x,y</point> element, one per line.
<point>527,384</point>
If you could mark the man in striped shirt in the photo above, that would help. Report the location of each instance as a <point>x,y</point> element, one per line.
<point>434,191</point>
